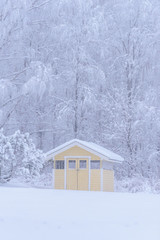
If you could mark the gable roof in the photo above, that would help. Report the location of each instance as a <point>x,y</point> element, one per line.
<point>104,153</point>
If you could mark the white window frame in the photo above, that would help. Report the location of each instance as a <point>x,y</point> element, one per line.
<point>83,167</point>
<point>59,161</point>
<point>69,166</point>
<point>93,161</point>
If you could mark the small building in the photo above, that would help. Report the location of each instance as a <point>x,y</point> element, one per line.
<point>80,165</point>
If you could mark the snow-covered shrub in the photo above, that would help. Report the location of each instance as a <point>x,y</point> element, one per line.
<point>6,157</point>
<point>156,187</point>
<point>46,176</point>
<point>19,157</point>
<point>45,180</point>
<point>133,185</point>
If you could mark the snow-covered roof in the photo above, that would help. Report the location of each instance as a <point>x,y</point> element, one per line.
<point>104,153</point>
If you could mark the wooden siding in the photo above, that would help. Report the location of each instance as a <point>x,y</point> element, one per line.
<point>76,151</point>
<point>108,180</point>
<point>72,182</point>
<point>95,180</point>
<point>59,179</point>
<point>83,179</point>
<point>78,179</point>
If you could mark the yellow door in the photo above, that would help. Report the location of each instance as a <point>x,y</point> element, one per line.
<point>72,178</point>
<point>77,174</point>
<point>83,174</point>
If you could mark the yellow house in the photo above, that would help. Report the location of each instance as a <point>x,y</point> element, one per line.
<point>80,165</point>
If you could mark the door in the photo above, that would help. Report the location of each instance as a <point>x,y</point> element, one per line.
<point>82,173</point>
<point>77,174</point>
<point>72,180</point>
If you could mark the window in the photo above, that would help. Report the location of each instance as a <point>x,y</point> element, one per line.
<point>60,164</point>
<point>107,165</point>
<point>72,164</point>
<point>95,164</point>
<point>83,164</point>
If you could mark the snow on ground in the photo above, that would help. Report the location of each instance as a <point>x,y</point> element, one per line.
<point>35,214</point>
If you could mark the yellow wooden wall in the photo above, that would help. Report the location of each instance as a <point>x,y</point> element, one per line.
<point>95,174</point>
<point>71,179</point>
<point>59,179</point>
<point>95,181</point>
<point>76,151</point>
<point>108,180</point>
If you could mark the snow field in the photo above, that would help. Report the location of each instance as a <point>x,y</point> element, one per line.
<point>35,214</point>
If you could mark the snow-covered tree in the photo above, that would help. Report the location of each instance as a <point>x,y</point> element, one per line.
<point>6,157</point>
<point>90,70</point>
<point>28,160</point>
<point>19,157</point>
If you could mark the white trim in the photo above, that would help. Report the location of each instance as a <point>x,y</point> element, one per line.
<point>65,173</point>
<point>77,157</point>
<point>89,173</point>
<point>62,149</point>
<point>79,143</point>
<point>53,178</point>
<point>101,179</point>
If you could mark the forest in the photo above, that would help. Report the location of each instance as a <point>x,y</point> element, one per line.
<point>84,69</point>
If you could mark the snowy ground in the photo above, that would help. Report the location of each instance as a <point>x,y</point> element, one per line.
<point>35,214</point>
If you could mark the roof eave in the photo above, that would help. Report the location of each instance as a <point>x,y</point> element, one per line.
<point>103,157</point>
<point>117,161</point>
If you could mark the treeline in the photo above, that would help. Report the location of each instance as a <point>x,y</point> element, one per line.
<point>84,69</point>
